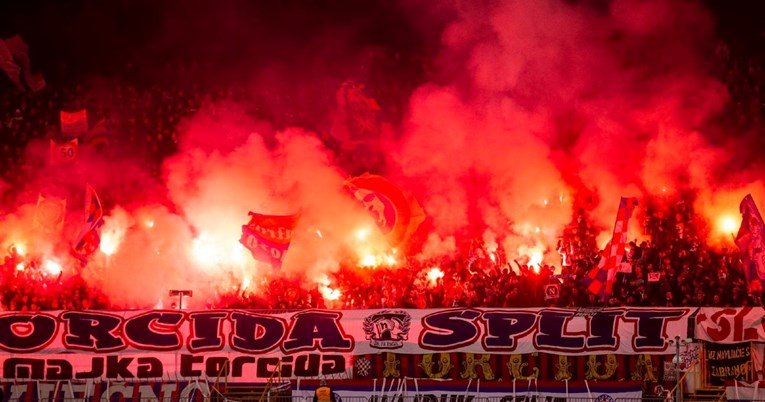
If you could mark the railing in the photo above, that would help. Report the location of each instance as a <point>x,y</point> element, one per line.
<point>388,397</point>
<point>204,394</point>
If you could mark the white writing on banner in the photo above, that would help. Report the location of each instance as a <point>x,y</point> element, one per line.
<point>105,391</point>
<point>731,325</point>
<point>408,390</point>
<point>140,344</point>
<point>208,365</point>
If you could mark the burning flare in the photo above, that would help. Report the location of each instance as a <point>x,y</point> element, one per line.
<point>727,224</point>
<point>434,274</point>
<point>52,267</point>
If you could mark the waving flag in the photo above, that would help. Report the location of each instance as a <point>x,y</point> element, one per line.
<point>86,245</point>
<point>268,237</point>
<point>97,135</point>
<point>75,124</point>
<point>64,152</point>
<point>362,113</point>
<point>50,214</point>
<point>14,59</point>
<point>600,279</point>
<point>9,65</point>
<point>94,210</point>
<point>88,240</point>
<point>750,241</point>
<point>397,214</point>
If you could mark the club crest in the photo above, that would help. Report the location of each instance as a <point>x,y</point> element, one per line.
<point>387,329</point>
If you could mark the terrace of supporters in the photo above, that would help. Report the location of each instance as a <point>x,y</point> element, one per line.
<point>672,267</point>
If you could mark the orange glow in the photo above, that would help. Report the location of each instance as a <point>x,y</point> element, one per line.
<point>20,266</point>
<point>368,261</point>
<point>53,267</point>
<point>20,249</point>
<point>535,260</point>
<point>727,224</point>
<point>109,243</point>
<point>434,275</point>
<point>329,293</point>
<point>203,250</point>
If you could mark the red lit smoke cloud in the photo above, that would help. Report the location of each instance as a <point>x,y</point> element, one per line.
<point>550,99</point>
<point>214,187</point>
<point>528,108</point>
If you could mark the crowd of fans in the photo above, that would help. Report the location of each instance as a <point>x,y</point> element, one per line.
<point>689,274</point>
<point>674,268</point>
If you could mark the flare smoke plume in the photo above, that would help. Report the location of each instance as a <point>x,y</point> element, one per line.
<point>513,115</point>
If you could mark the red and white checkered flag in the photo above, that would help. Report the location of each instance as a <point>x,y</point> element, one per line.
<point>601,278</point>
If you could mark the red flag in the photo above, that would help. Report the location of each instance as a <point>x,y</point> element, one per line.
<point>50,214</point>
<point>268,236</point>
<point>751,241</point>
<point>9,65</point>
<point>600,279</point>
<point>363,113</point>
<point>75,124</point>
<point>397,214</point>
<point>97,136</point>
<point>20,52</point>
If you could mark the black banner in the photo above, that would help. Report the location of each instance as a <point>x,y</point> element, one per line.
<point>727,362</point>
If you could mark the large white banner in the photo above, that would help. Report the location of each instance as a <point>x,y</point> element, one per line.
<point>731,325</point>
<point>84,345</point>
<point>742,391</point>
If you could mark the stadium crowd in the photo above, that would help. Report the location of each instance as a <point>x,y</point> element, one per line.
<point>674,268</point>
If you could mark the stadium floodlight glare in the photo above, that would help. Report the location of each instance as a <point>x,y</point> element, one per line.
<point>180,294</point>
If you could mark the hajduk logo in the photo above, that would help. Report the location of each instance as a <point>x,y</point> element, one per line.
<point>387,329</point>
<point>604,398</point>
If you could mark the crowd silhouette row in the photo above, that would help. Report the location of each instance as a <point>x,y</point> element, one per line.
<point>674,269</point>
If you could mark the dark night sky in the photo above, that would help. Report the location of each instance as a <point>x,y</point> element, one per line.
<point>95,36</point>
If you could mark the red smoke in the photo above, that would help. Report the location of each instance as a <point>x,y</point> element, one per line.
<point>529,107</point>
